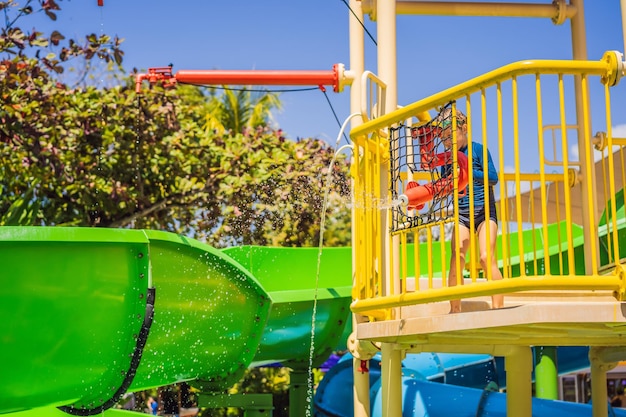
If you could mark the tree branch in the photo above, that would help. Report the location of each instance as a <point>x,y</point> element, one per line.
<point>125,221</point>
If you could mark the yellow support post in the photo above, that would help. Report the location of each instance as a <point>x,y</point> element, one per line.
<point>602,360</point>
<point>518,366</point>
<point>391,378</point>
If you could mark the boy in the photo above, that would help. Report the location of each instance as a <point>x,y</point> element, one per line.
<point>481,222</point>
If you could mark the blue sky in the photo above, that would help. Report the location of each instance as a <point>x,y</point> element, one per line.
<point>434,52</point>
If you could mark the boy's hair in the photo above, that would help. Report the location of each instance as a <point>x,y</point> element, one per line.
<point>444,118</point>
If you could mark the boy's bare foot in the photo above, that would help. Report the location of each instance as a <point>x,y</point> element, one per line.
<point>455,306</point>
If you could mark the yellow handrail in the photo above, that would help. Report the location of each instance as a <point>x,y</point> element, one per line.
<point>600,68</point>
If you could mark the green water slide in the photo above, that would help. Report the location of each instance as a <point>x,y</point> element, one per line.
<point>76,306</point>
<point>88,314</point>
<point>291,277</point>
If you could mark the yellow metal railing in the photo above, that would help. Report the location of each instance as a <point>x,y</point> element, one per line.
<point>541,195</point>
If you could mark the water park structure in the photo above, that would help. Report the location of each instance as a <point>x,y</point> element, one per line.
<point>123,310</point>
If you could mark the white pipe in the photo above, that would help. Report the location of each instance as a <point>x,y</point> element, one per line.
<point>343,127</point>
<point>387,71</point>
<point>361,386</point>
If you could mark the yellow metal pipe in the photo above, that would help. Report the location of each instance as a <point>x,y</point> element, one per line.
<point>558,231</point>
<point>360,247</point>
<point>507,176</point>
<point>394,254</point>
<point>579,51</point>
<point>607,198</point>
<point>444,267</point>
<point>618,141</point>
<point>369,225</point>
<point>436,8</point>
<point>518,191</point>
<point>483,105</point>
<point>564,282</point>
<point>600,364</point>
<point>612,186</point>
<point>368,233</point>
<point>590,227</point>
<point>470,159</point>
<point>397,259</point>
<point>533,238</point>
<point>377,147</point>
<point>474,85</point>
<point>566,190</point>
<point>403,269</point>
<point>417,258</point>
<point>391,380</point>
<point>542,173</point>
<point>457,256</point>
<point>416,176</point>
<point>387,72</point>
<point>360,390</point>
<point>518,366</point>
<point>429,254</point>
<point>579,36</point>
<point>503,189</point>
<point>380,224</point>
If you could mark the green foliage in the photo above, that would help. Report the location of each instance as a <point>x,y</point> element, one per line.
<point>22,212</point>
<point>240,110</point>
<point>88,156</point>
<point>54,52</point>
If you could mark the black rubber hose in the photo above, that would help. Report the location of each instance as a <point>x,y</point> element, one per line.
<point>142,338</point>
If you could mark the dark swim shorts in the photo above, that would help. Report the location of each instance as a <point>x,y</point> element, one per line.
<point>479,217</point>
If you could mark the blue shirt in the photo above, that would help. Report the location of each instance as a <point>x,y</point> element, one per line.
<point>478,173</point>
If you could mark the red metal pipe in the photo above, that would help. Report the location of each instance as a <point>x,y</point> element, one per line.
<point>255,77</point>
<point>259,77</point>
<point>165,76</point>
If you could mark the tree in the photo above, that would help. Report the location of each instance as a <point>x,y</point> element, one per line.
<point>240,110</point>
<point>107,157</point>
<point>29,89</point>
<point>59,51</point>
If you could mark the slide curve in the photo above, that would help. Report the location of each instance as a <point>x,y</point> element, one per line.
<point>91,313</point>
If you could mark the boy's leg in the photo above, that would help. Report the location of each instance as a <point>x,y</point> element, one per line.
<point>457,251</point>
<point>497,301</point>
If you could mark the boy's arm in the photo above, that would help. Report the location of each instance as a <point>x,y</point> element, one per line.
<point>479,174</point>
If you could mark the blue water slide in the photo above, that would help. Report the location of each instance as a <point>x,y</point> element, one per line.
<point>439,384</point>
